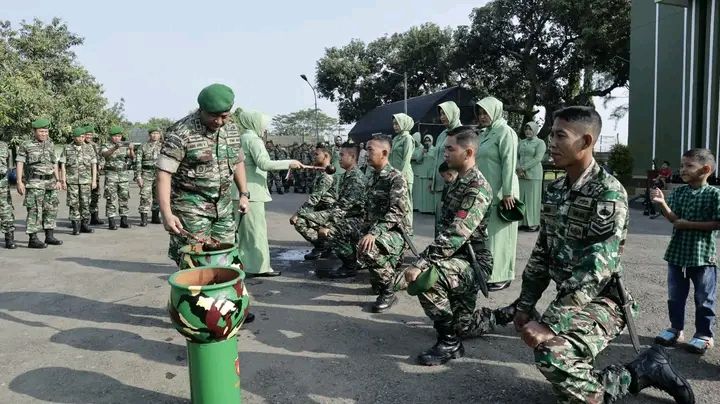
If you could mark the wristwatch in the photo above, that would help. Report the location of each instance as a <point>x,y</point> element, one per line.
<point>245,194</point>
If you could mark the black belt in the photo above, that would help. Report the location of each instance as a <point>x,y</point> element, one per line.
<point>42,176</point>
<point>152,166</point>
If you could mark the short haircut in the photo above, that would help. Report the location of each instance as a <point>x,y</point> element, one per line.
<point>322,148</point>
<point>444,167</point>
<point>702,156</point>
<point>269,142</point>
<point>666,162</point>
<point>585,115</point>
<point>465,136</point>
<point>351,146</point>
<point>384,139</point>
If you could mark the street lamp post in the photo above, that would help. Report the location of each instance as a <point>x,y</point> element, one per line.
<point>317,123</point>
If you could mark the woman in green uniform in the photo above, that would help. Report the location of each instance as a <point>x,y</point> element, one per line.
<point>496,159</point>
<point>531,152</point>
<point>403,147</point>
<point>416,163</point>
<point>450,117</point>
<point>252,230</point>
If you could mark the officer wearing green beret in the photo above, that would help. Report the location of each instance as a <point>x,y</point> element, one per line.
<point>117,191</point>
<point>39,180</point>
<point>78,171</point>
<point>145,177</point>
<point>199,161</point>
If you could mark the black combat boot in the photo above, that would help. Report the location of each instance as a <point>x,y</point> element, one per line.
<point>35,242</point>
<point>75,226</point>
<point>652,368</point>
<point>448,346</point>
<point>124,222</point>
<point>347,270</point>
<point>385,300</point>
<point>85,227</point>
<point>111,223</point>
<point>50,238</point>
<point>155,217</point>
<point>313,254</point>
<point>506,315</point>
<point>143,219</point>
<point>280,191</point>
<point>10,240</point>
<point>95,219</point>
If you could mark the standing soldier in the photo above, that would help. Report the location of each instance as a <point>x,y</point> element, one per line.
<point>145,177</point>
<point>309,176</point>
<point>79,178</point>
<point>583,227</point>
<point>335,149</point>
<point>273,177</point>
<point>376,238</point>
<point>37,173</point>
<point>282,154</point>
<point>90,138</point>
<point>199,161</point>
<point>117,192</point>
<point>7,212</point>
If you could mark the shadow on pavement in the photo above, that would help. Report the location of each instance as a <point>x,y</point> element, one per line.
<point>124,266</point>
<point>69,306</point>
<point>65,385</point>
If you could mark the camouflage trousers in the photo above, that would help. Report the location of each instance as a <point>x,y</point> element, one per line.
<point>7,212</point>
<point>299,180</point>
<point>567,360</point>
<point>117,195</point>
<point>452,300</point>
<point>275,178</point>
<point>148,192</point>
<point>78,201</point>
<point>95,198</point>
<point>381,260</point>
<point>42,207</point>
<point>220,227</point>
<point>308,224</point>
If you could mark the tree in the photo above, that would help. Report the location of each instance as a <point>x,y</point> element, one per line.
<point>40,77</point>
<point>358,76</point>
<point>302,123</point>
<point>152,123</point>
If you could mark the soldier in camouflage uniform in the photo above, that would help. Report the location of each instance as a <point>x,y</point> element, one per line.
<point>299,176</point>
<point>375,239</point>
<point>450,301</point>
<point>145,177</point>
<point>7,212</point>
<point>582,232</point>
<point>79,178</point>
<point>199,161</point>
<point>282,154</point>
<point>90,138</point>
<point>321,199</point>
<point>117,155</point>
<point>37,173</point>
<point>273,177</point>
<point>350,203</point>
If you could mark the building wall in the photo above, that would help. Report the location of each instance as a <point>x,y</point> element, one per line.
<point>680,119</point>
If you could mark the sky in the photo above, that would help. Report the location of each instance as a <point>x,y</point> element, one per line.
<point>157,55</point>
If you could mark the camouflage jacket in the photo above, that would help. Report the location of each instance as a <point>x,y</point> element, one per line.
<point>582,233</point>
<point>322,196</point>
<point>118,160</point>
<point>351,195</point>
<point>98,156</point>
<point>202,163</point>
<point>281,153</point>
<point>386,202</point>
<point>4,163</point>
<point>78,161</point>
<point>272,154</point>
<point>464,220</point>
<point>307,156</point>
<point>146,155</point>
<point>39,163</point>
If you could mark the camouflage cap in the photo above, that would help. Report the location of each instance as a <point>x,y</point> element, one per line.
<point>41,123</point>
<point>216,98</point>
<point>116,130</point>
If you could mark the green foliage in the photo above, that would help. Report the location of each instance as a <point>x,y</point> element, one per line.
<point>162,123</point>
<point>527,53</point>
<point>302,123</point>
<point>620,162</point>
<point>41,77</point>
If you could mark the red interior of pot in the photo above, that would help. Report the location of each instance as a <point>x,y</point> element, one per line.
<point>205,276</point>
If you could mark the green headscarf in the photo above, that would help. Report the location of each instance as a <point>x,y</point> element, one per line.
<point>405,122</point>
<point>416,139</point>
<point>428,136</point>
<point>452,112</point>
<point>254,121</point>
<point>494,108</point>
<point>534,126</point>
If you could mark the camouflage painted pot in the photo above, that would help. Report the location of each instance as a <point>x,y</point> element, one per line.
<point>208,255</point>
<point>208,304</point>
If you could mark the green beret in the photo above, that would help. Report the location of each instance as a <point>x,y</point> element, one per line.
<point>116,130</point>
<point>515,214</point>
<point>41,123</point>
<point>151,130</point>
<point>423,282</point>
<point>79,131</point>
<point>216,98</point>
<point>89,128</point>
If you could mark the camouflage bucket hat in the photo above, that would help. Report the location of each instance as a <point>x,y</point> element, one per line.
<point>515,214</point>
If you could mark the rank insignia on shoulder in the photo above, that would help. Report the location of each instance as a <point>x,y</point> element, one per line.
<point>605,209</point>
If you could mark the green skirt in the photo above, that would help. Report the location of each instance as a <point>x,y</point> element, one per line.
<point>252,240</point>
<point>531,195</point>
